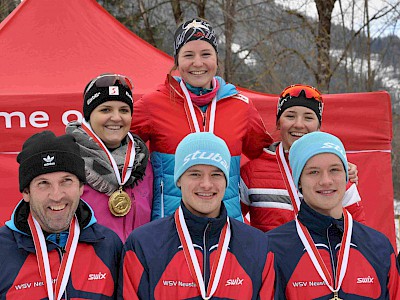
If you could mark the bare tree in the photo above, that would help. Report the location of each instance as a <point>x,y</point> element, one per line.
<point>144,14</point>
<point>229,11</point>
<point>201,8</point>
<point>368,48</point>
<point>177,11</point>
<point>323,42</point>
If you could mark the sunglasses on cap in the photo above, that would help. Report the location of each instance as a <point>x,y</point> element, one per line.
<point>296,89</point>
<point>107,80</point>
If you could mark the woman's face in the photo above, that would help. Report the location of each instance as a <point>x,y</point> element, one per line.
<point>295,122</point>
<point>197,63</point>
<point>111,122</point>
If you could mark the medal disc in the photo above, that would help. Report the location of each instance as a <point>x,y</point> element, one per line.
<point>119,203</point>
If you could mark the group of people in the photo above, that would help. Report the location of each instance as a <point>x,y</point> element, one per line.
<point>102,217</point>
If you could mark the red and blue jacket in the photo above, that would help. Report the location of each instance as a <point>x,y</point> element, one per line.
<point>95,269</point>
<point>154,265</point>
<point>162,119</point>
<point>372,271</point>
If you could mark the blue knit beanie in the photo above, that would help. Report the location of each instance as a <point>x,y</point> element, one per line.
<point>202,148</point>
<point>310,145</point>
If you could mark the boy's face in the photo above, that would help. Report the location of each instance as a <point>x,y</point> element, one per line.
<point>203,187</point>
<point>323,184</point>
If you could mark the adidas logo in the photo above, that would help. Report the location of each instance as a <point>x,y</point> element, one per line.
<point>48,161</point>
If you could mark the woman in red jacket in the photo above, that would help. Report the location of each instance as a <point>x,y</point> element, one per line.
<point>263,190</point>
<point>196,101</point>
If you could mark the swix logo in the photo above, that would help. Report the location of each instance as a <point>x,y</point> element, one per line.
<point>92,98</point>
<point>236,281</point>
<point>97,276</point>
<point>48,161</point>
<point>368,279</point>
<point>241,97</point>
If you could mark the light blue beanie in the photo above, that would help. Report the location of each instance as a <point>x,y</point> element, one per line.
<point>310,145</point>
<point>202,148</point>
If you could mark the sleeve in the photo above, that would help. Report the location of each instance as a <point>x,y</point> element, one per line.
<point>150,180</point>
<point>394,278</point>
<point>244,191</point>
<point>134,282</point>
<point>257,136</point>
<point>245,174</point>
<point>352,202</point>
<point>141,119</point>
<point>268,278</point>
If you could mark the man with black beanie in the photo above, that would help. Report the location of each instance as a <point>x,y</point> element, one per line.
<point>52,247</point>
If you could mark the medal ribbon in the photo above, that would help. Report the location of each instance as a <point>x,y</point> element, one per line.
<point>210,117</point>
<point>129,158</point>
<point>316,258</point>
<point>191,258</point>
<point>287,178</point>
<point>43,257</point>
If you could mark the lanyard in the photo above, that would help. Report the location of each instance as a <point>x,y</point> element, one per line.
<point>193,117</point>
<point>191,258</point>
<point>287,178</point>
<point>43,257</point>
<point>316,258</point>
<point>129,158</point>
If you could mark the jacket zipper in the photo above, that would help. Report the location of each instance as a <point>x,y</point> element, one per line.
<point>61,252</point>
<point>162,198</point>
<point>205,255</point>
<point>331,257</point>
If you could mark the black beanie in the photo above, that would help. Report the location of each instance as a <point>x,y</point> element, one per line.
<point>301,100</point>
<point>44,153</point>
<point>192,30</point>
<point>98,95</point>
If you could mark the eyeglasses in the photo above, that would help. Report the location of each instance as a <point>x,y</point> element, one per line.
<point>107,80</point>
<point>296,89</point>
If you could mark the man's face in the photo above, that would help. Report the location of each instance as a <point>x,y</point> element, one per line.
<point>53,199</point>
<point>323,184</point>
<point>203,187</point>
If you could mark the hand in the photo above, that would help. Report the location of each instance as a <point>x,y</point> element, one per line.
<point>353,173</point>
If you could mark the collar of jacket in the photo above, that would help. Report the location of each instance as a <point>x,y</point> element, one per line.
<point>175,91</point>
<point>197,225</point>
<point>316,222</point>
<point>19,225</point>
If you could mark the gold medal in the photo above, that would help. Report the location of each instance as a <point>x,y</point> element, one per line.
<point>336,297</point>
<point>119,203</point>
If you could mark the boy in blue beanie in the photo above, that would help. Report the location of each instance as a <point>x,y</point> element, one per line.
<point>199,252</point>
<point>323,253</point>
